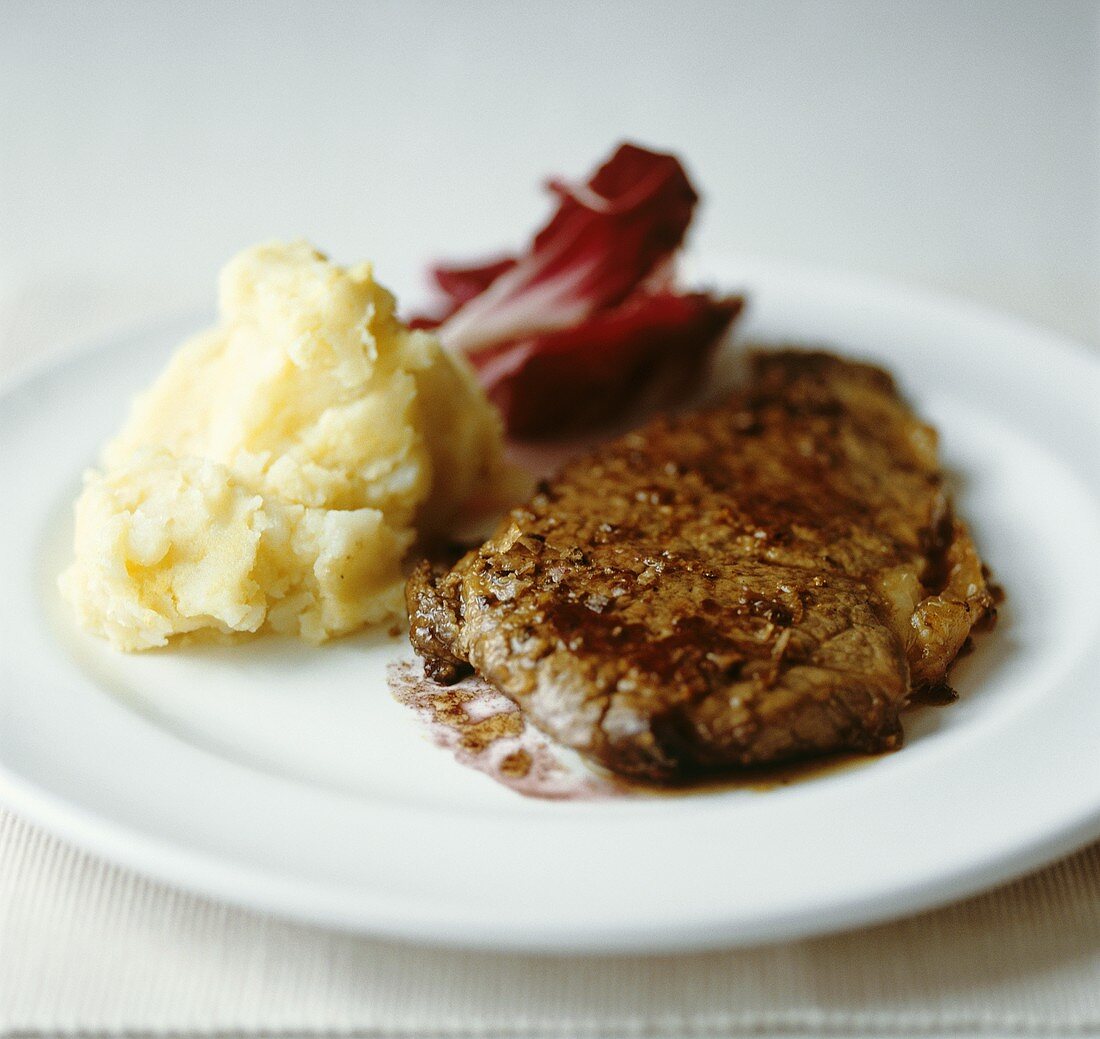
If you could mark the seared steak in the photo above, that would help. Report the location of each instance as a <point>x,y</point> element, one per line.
<point>771,578</point>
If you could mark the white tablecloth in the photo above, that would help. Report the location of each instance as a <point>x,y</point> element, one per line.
<point>87,948</point>
<point>141,144</point>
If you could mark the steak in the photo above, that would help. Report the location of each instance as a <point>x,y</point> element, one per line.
<point>772,578</point>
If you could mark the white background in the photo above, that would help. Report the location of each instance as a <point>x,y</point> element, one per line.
<point>949,143</point>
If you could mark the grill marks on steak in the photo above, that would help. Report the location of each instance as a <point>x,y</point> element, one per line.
<point>769,579</point>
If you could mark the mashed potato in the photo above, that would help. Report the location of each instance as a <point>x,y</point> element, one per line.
<point>280,469</point>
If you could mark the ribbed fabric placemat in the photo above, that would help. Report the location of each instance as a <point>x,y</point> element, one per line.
<point>90,949</point>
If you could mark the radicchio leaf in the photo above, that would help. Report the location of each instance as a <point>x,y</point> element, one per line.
<point>587,321</point>
<point>651,346</point>
<point>460,285</point>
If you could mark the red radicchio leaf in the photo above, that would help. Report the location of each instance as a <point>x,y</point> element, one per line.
<point>586,322</point>
<point>605,237</point>
<point>462,284</point>
<point>652,346</point>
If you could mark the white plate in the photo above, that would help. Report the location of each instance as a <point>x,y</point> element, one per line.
<point>286,778</point>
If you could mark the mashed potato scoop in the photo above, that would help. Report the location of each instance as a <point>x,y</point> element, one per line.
<point>279,470</point>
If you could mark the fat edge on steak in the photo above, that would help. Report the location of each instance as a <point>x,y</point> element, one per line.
<point>769,579</point>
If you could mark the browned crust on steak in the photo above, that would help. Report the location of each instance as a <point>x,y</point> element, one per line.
<point>768,579</point>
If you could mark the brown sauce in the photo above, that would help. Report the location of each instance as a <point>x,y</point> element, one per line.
<point>762,778</point>
<point>485,731</point>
